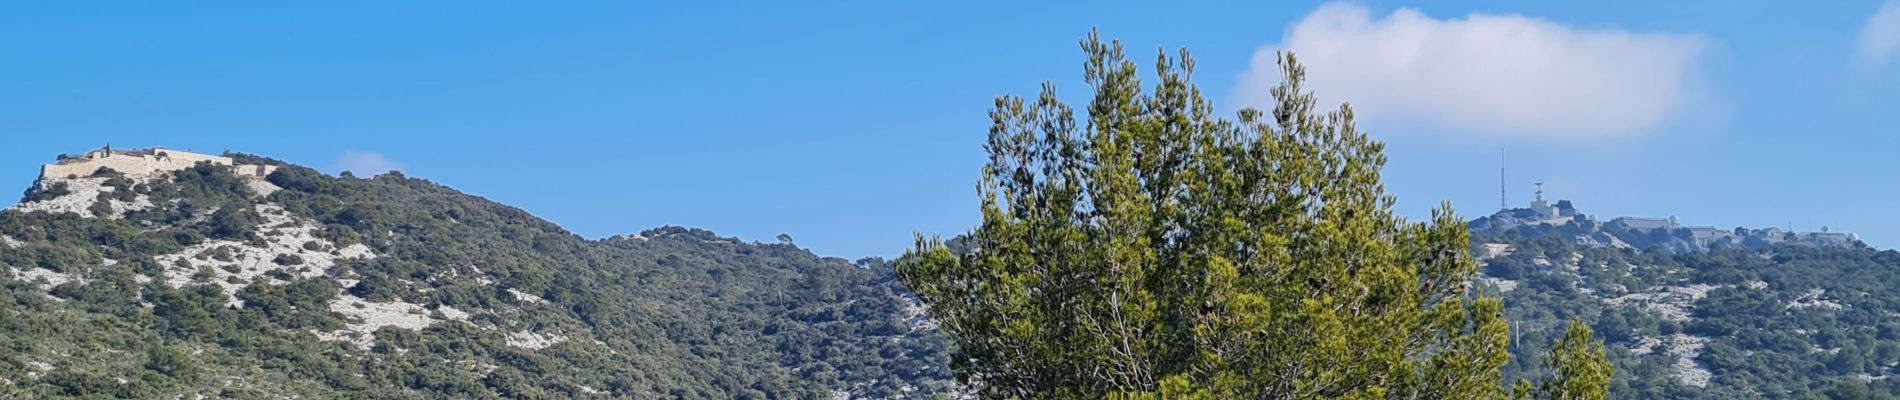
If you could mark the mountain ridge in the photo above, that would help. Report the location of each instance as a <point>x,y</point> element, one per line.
<point>1563,219</point>
<point>397,287</point>
<point>1684,317</point>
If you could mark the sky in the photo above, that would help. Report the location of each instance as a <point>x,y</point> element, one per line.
<point>852,126</point>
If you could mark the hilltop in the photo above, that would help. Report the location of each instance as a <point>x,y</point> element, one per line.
<point>157,273</point>
<point>1563,220</point>
<point>1697,312</point>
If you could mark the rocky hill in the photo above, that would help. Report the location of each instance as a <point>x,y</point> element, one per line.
<point>1565,222</point>
<point>1790,319</point>
<point>198,281</point>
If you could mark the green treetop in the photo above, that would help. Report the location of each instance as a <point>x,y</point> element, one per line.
<point>1580,367</point>
<point>1151,249</point>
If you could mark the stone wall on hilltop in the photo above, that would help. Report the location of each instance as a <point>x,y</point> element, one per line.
<point>142,162</point>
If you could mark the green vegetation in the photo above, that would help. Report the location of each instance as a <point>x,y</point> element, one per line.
<point>1146,250</point>
<point>671,313</point>
<point>1160,252</point>
<point>1785,322</point>
<point>50,192</point>
<point>1578,366</point>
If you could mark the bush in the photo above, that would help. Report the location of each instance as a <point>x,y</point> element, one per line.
<point>172,361</point>
<point>54,191</point>
<point>101,207</point>
<point>299,179</point>
<point>232,223</point>
<point>222,253</point>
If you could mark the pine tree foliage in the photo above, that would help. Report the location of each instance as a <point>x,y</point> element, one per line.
<point>1580,365</point>
<point>1151,249</point>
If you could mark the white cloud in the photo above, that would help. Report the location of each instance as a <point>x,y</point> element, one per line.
<point>1486,74</point>
<point>1881,36</point>
<point>366,164</point>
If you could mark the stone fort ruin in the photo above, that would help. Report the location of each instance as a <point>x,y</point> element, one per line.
<point>142,162</point>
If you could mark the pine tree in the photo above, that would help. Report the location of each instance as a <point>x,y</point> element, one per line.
<point>1154,250</point>
<point>1581,369</point>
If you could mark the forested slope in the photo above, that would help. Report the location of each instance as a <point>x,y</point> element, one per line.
<point>199,282</point>
<point>1787,321</point>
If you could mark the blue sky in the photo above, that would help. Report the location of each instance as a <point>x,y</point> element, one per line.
<point>851,125</point>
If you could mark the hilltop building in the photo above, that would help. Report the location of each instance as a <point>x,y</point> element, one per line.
<point>1642,223</point>
<point>1545,210</point>
<point>142,162</point>
<point>1540,212</point>
<point>1562,218</point>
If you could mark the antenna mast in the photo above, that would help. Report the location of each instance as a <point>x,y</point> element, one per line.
<point>1502,203</point>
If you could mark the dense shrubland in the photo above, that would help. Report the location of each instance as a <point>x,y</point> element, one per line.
<point>673,312</point>
<point>1787,322</point>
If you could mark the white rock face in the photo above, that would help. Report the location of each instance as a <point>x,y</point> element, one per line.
<point>1503,285</point>
<point>1688,371</point>
<point>1814,299</point>
<point>1617,242</point>
<point>84,192</point>
<point>366,317</point>
<point>917,314</point>
<point>534,340</point>
<point>1645,345</point>
<point>290,245</point>
<point>45,278</point>
<point>233,265</point>
<point>1670,302</point>
<point>40,368</point>
<point>525,297</point>
<point>1493,250</point>
<point>261,187</point>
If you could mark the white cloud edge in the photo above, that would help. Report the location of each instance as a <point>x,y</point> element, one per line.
<point>366,163</point>
<point>1880,35</point>
<point>1488,75</point>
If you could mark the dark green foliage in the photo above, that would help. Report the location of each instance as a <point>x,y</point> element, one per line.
<point>1851,390</point>
<point>53,191</point>
<point>101,206</point>
<point>232,223</point>
<point>679,313</point>
<point>1580,370</point>
<point>1762,343</point>
<point>253,159</point>
<point>300,179</point>
<point>174,362</point>
<point>1149,249</point>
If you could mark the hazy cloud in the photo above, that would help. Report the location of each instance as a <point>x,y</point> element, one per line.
<point>1486,74</point>
<point>1881,36</point>
<point>366,164</point>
